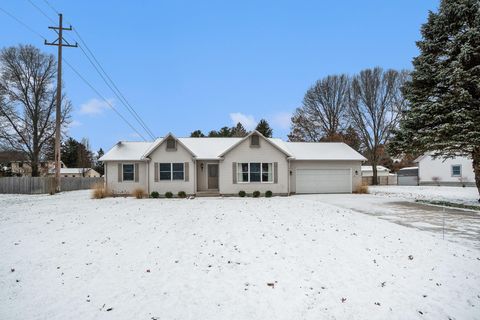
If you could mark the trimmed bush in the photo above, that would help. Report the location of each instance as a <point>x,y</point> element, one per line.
<point>181,194</point>
<point>138,193</point>
<point>242,194</point>
<point>168,195</point>
<point>154,195</point>
<point>268,194</point>
<point>256,194</point>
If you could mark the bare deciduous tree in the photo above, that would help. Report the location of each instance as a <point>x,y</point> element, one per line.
<point>375,106</point>
<point>323,110</point>
<point>27,101</point>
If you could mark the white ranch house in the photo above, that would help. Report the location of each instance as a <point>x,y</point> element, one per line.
<point>228,165</point>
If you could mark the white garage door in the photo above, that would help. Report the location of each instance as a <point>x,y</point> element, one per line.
<point>323,181</point>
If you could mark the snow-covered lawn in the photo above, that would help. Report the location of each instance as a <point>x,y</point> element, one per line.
<point>467,195</point>
<point>71,257</point>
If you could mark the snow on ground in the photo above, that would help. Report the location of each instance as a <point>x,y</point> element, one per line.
<point>451,224</point>
<point>467,195</point>
<point>71,257</point>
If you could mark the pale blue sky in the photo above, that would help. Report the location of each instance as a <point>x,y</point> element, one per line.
<point>187,65</point>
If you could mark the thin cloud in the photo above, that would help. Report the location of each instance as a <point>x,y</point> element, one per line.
<point>95,106</point>
<point>248,121</point>
<point>281,120</point>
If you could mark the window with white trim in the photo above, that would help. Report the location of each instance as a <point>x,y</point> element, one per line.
<point>172,171</point>
<point>261,172</point>
<point>456,170</point>
<point>128,172</point>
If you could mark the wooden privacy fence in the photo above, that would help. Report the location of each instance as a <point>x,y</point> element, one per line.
<point>38,185</point>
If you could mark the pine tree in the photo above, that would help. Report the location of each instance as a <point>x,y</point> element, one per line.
<point>264,128</point>
<point>69,152</point>
<point>197,134</point>
<point>99,167</point>
<point>225,132</point>
<point>238,131</point>
<point>444,92</point>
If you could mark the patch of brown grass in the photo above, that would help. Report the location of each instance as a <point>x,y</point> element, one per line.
<point>138,193</point>
<point>99,192</point>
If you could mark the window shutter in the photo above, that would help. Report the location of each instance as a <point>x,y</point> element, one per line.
<point>185,168</point>
<point>155,171</point>
<point>135,173</point>
<point>234,172</point>
<point>120,172</point>
<point>275,172</point>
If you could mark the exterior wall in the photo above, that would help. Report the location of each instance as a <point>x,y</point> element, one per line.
<point>430,169</point>
<point>124,187</point>
<point>317,164</point>
<point>179,155</point>
<point>244,153</point>
<point>87,174</point>
<point>202,177</point>
<point>25,169</point>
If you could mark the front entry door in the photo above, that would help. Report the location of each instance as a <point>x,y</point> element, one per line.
<point>212,176</point>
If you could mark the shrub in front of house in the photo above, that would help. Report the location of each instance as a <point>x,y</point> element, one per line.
<point>138,193</point>
<point>181,194</point>
<point>154,195</point>
<point>363,189</point>
<point>168,195</point>
<point>256,194</point>
<point>242,194</point>
<point>268,194</point>
<point>99,192</point>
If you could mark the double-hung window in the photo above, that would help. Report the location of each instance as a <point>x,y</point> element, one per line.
<point>255,172</point>
<point>456,170</point>
<point>128,172</point>
<point>172,171</point>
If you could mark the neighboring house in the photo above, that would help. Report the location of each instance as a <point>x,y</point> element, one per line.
<point>384,177</point>
<point>456,171</point>
<point>77,173</point>
<point>229,165</point>
<point>23,168</point>
<point>407,176</point>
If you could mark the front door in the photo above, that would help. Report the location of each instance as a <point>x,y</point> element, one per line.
<point>212,171</point>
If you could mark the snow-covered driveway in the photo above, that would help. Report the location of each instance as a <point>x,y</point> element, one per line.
<point>70,257</point>
<point>447,223</point>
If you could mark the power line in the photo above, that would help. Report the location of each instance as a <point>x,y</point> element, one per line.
<point>107,79</point>
<point>22,23</point>
<point>103,98</point>
<point>122,97</point>
<point>51,7</point>
<point>41,11</point>
<point>77,73</point>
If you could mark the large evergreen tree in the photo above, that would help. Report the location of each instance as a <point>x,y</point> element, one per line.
<point>444,92</point>
<point>239,131</point>
<point>264,128</point>
<point>197,134</point>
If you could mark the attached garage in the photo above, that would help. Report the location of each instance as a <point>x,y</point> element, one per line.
<point>323,180</point>
<point>328,167</point>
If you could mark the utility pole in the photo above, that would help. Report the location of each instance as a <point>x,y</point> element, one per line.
<point>60,43</point>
